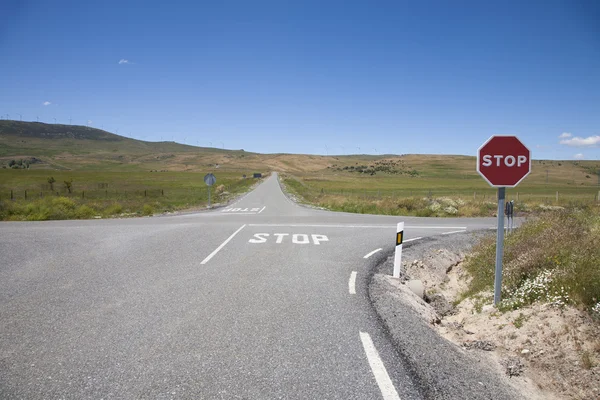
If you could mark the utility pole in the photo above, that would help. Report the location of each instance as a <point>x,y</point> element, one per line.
<point>223,145</point>
<point>70,120</point>
<point>54,120</point>
<point>20,117</point>
<point>37,118</point>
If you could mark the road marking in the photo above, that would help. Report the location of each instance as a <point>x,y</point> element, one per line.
<point>297,238</point>
<point>449,233</point>
<point>373,252</point>
<point>207,259</point>
<point>263,209</point>
<point>388,391</point>
<point>356,226</point>
<point>352,283</point>
<point>410,240</point>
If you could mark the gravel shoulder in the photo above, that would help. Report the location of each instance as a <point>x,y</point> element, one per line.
<point>441,368</point>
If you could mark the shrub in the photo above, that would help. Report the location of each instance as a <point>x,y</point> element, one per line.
<point>84,212</point>
<point>147,209</point>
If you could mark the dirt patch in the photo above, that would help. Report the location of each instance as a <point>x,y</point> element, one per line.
<point>549,352</point>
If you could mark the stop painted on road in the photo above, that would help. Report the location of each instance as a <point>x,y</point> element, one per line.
<point>295,238</point>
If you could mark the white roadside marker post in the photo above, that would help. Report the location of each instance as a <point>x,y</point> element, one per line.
<point>398,253</point>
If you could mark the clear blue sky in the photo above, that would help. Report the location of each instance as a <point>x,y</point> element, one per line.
<point>296,76</point>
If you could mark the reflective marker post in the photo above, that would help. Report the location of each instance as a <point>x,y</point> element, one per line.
<point>499,246</point>
<point>398,254</point>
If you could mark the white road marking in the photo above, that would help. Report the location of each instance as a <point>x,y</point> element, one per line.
<point>297,238</point>
<point>352,283</point>
<point>449,233</point>
<point>263,209</point>
<point>356,226</point>
<point>388,391</point>
<point>207,259</point>
<point>373,252</point>
<point>410,240</point>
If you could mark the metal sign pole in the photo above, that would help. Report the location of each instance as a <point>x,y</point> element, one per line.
<point>209,197</point>
<point>499,246</point>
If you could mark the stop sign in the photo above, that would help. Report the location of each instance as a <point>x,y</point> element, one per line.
<point>503,161</point>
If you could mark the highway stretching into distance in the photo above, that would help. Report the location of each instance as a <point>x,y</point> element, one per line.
<point>262,299</point>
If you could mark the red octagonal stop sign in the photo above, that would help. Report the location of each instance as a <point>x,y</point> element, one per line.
<point>503,161</point>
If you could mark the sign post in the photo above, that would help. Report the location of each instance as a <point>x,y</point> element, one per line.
<point>503,161</point>
<point>210,180</point>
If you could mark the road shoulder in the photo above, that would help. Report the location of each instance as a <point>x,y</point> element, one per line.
<point>442,369</point>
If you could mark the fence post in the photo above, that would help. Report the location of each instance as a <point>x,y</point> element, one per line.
<point>162,192</point>
<point>145,194</point>
<point>26,195</point>
<point>41,195</point>
<point>474,196</point>
<point>83,194</point>
<point>517,196</point>
<point>557,196</point>
<point>11,195</point>
<point>106,193</point>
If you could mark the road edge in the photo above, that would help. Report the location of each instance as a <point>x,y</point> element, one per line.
<point>433,362</point>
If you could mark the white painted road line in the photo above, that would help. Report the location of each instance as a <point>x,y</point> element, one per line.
<point>263,209</point>
<point>207,259</point>
<point>449,233</point>
<point>352,283</point>
<point>410,240</point>
<point>388,391</point>
<point>373,252</point>
<point>356,226</point>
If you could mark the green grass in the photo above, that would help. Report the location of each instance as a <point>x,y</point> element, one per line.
<point>553,258</point>
<point>105,194</point>
<point>442,186</point>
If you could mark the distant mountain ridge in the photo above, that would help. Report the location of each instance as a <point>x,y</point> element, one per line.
<point>55,131</point>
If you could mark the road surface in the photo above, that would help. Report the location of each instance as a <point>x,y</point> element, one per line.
<point>263,299</point>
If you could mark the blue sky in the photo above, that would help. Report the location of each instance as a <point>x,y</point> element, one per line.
<point>311,76</point>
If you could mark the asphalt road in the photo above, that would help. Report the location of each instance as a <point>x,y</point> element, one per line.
<point>263,299</point>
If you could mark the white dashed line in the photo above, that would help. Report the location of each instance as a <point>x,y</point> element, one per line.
<point>449,233</point>
<point>263,209</point>
<point>388,391</point>
<point>207,259</point>
<point>352,283</point>
<point>371,253</point>
<point>410,240</point>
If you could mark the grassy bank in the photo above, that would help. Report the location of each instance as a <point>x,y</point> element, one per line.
<point>553,258</point>
<point>434,195</point>
<point>105,194</point>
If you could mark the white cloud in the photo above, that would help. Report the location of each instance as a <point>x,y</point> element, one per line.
<point>89,121</point>
<point>582,142</point>
<point>124,61</point>
<point>579,156</point>
<point>46,103</point>
<point>565,135</point>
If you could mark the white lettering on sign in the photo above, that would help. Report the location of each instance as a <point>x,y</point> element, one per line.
<point>297,238</point>
<point>509,161</point>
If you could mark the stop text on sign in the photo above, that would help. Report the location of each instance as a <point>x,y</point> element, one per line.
<point>503,161</point>
<point>509,161</point>
<point>295,238</point>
